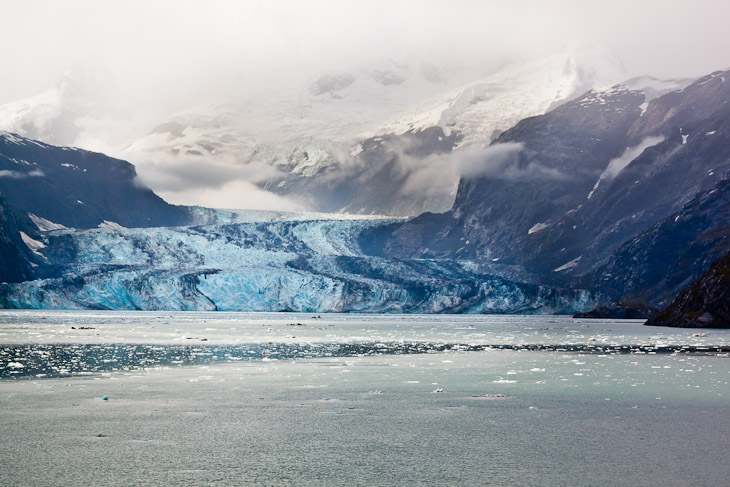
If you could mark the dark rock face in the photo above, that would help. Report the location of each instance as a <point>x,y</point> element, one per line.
<point>692,158</point>
<point>661,261</point>
<point>16,259</point>
<point>620,310</point>
<point>705,304</point>
<point>603,195</point>
<point>77,188</point>
<point>564,153</point>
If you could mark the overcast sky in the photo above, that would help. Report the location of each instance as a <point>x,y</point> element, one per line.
<point>174,53</point>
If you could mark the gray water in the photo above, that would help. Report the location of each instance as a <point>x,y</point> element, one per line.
<point>411,406</point>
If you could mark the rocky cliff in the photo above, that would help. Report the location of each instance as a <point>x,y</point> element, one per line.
<point>705,304</point>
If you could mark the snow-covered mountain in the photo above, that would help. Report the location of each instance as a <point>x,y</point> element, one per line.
<point>378,127</point>
<point>377,139</point>
<point>482,109</point>
<point>396,99</point>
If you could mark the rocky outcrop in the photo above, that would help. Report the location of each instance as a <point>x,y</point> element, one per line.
<point>705,304</point>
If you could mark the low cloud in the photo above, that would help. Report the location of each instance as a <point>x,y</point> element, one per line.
<point>204,182</point>
<point>440,173</point>
<point>177,174</point>
<point>35,173</point>
<point>499,160</point>
<point>236,194</point>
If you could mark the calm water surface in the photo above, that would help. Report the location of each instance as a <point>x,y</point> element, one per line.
<point>235,399</point>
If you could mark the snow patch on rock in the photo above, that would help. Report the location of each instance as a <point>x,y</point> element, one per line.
<point>615,166</point>
<point>537,227</point>
<point>568,265</point>
<point>32,244</point>
<point>45,225</point>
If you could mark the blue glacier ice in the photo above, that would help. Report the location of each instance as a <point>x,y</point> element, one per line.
<point>274,264</point>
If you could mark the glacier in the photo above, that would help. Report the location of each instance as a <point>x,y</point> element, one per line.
<point>278,263</point>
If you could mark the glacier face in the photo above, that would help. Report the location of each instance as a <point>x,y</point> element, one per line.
<point>286,265</point>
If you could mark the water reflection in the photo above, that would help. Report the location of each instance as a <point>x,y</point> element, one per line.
<point>49,360</point>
